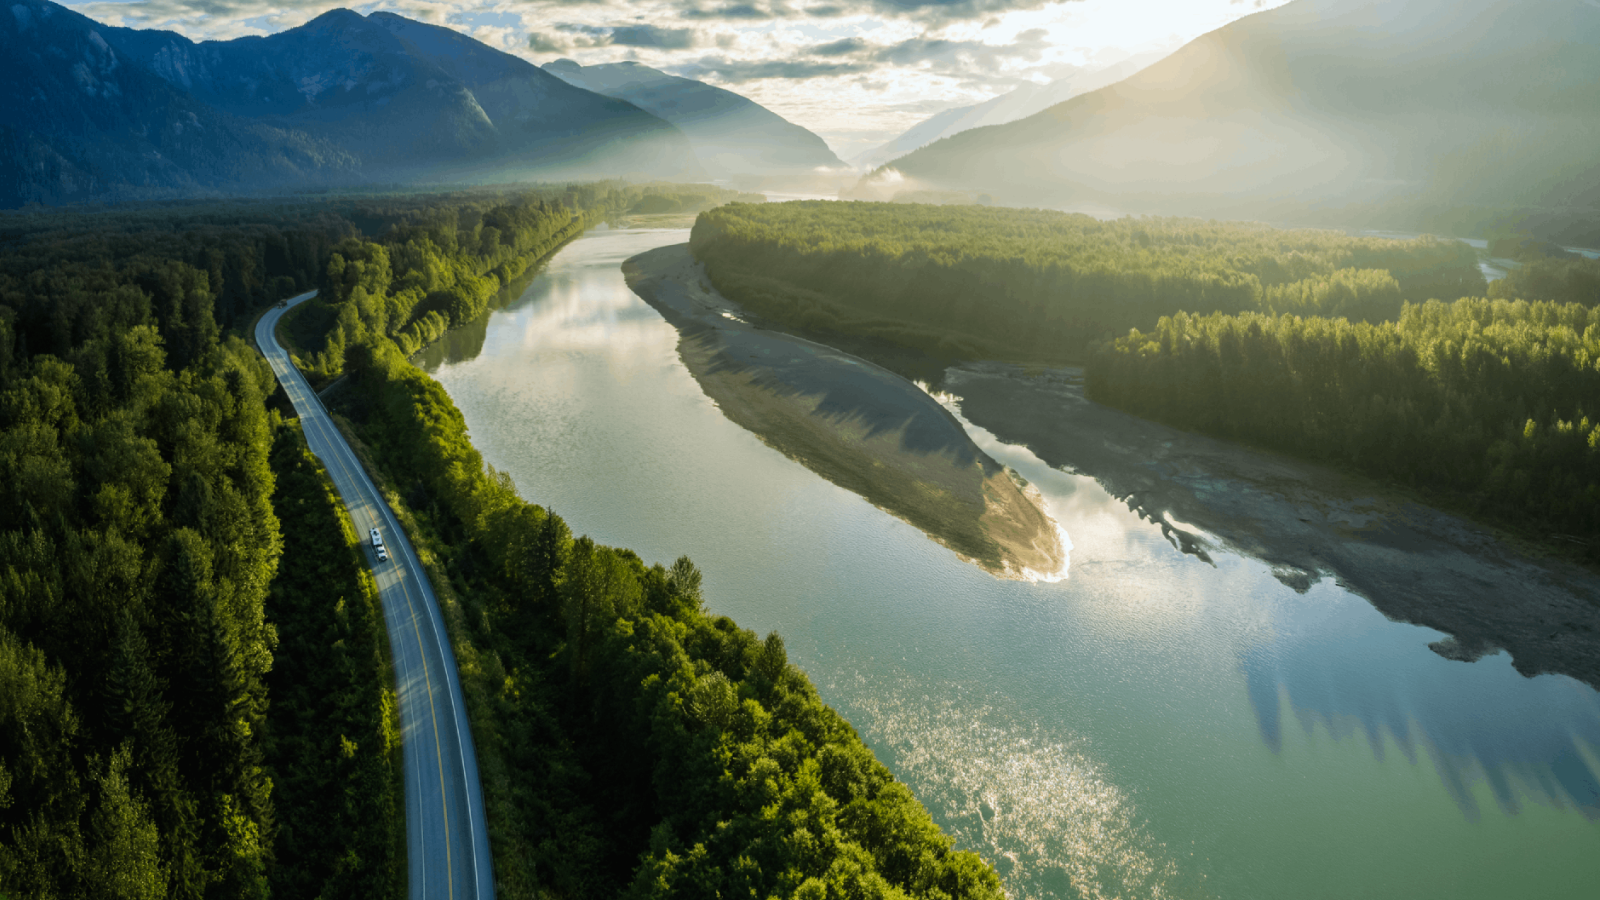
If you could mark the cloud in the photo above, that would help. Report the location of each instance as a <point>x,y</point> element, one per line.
<point>542,43</point>
<point>739,71</point>
<point>951,10</point>
<point>956,58</point>
<point>843,47</point>
<point>646,36</point>
<point>741,12</point>
<point>651,36</point>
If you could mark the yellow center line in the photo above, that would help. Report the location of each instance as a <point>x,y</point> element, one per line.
<point>450,879</point>
<point>433,714</point>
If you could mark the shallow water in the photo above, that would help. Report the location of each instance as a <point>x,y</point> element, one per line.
<point>1150,726</point>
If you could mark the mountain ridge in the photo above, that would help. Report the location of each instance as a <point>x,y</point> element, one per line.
<point>1317,105</point>
<point>113,113</point>
<point>731,133</point>
<point>1019,103</point>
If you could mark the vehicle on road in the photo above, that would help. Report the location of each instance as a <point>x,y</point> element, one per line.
<point>377,539</point>
<point>383,554</point>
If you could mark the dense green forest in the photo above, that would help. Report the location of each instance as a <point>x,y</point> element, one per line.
<point>138,540</point>
<point>437,267</point>
<point>332,739</point>
<point>194,699</point>
<point>149,744</point>
<point>1563,280</point>
<point>630,742</point>
<point>969,281</point>
<point>1330,347</point>
<point>1487,402</point>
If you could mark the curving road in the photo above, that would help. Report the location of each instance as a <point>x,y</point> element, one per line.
<point>447,843</point>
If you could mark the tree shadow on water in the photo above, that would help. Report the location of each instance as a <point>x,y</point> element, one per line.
<point>1478,722</point>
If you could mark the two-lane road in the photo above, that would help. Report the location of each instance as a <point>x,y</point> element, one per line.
<point>447,844</point>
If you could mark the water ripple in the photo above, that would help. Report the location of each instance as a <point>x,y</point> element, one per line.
<point>1039,809</point>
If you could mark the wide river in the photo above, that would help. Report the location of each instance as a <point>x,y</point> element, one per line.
<point>1150,726</point>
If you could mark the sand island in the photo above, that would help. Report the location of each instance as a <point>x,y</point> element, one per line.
<point>854,423</point>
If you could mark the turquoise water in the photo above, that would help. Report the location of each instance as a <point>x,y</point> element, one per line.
<point>1150,726</point>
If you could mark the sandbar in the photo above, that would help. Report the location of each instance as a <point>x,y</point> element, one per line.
<point>851,421</point>
<point>1486,590</point>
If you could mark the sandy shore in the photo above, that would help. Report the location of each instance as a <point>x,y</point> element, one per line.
<point>1414,563</point>
<point>854,423</point>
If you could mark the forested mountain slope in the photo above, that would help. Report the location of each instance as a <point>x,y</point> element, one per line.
<point>117,113</point>
<point>81,121</point>
<point>732,135</point>
<point>1393,108</point>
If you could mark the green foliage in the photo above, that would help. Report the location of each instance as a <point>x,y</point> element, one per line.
<point>1368,295</point>
<point>137,540</point>
<point>332,746</point>
<point>984,281</point>
<point>1556,279</point>
<point>440,261</point>
<point>1488,402</point>
<point>630,742</point>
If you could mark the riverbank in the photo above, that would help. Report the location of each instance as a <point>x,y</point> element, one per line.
<point>1413,563</point>
<point>858,425</point>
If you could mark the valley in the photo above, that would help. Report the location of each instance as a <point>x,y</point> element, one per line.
<point>803,451</point>
<point>1219,681</point>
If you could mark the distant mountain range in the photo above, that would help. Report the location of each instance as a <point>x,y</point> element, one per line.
<point>732,135</point>
<point>1404,106</point>
<point>100,113</point>
<point>1017,104</point>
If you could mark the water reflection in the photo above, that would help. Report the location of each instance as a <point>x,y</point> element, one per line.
<point>1477,722</point>
<point>1155,725</point>
<point>1413,563</point>
<point>1339,664</point>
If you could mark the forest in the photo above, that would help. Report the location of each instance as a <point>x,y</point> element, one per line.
<point>630,741</point>
<point>162,679</point>
<point>1485,403</point>
<point>194,692</point>
<point>1354,351</point>
<point>435,268</point>
<point>1569,279</point>
<point>1042,286</point>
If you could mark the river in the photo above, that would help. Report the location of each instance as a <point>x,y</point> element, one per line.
<point>1154,725</point>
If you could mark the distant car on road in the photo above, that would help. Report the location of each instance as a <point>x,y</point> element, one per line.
<point>383,554</point>
<point>377,539</point>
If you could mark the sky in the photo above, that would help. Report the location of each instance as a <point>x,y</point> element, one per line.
<point>856,72</point>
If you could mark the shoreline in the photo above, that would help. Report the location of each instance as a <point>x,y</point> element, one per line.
<point>1412,562</point>
<point>853,422</point>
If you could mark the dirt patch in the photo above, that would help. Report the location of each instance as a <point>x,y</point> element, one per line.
<point>854,423</point>
<point>1412,562</point>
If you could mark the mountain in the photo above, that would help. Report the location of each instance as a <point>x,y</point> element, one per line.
<point>1319,104</point>
<point>118,113</point>
<point>1020,103</point>
<point>732,135</point>
<point>83,122</point>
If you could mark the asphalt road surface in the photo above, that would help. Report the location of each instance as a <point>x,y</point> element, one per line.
<point>447,843</point>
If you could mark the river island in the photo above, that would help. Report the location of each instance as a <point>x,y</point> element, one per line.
<point>854,423</point>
